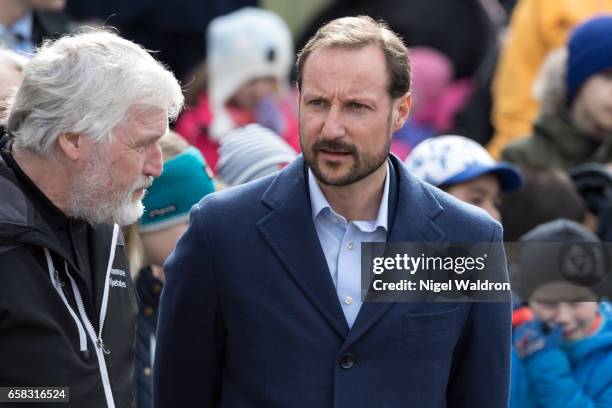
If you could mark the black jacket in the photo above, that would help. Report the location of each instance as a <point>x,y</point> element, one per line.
<point>48,335</point>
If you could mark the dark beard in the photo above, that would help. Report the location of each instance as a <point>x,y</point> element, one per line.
<point>364,164</point>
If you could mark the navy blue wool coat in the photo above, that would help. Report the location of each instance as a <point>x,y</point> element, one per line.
<point>249,316</point>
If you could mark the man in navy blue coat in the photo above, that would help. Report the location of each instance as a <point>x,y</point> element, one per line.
<point>261,305</point>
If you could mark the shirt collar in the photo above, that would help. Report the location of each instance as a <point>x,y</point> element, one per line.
<point>23,27</point>
<point>318,202</point>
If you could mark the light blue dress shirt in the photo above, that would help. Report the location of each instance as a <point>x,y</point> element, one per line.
<point>19,36</point>
<point>341,243</point>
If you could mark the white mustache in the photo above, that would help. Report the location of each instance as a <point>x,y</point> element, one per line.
<point>143,183</point>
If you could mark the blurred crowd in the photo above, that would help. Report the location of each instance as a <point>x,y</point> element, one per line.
<point>511,112</point>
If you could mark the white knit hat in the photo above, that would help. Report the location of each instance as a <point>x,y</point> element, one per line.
<point>244,45</point>
<point>251,152</point>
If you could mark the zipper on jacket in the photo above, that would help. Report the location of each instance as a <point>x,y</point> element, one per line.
<point>58,284</point>
<point>100,347</point>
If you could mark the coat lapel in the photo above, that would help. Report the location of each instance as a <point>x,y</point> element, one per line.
<point>411,210</point>
<point>290,232</point>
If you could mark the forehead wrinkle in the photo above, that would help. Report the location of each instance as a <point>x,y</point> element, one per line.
<point>346,71</point>
<point>139,128</point>
<point>340,94</point>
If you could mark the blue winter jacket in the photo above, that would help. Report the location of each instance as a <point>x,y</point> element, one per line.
<point>578,375</point>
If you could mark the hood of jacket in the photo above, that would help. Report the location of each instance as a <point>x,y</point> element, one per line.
<point>20,223</point>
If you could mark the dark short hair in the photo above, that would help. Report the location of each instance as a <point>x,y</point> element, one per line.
<point>359,32</point>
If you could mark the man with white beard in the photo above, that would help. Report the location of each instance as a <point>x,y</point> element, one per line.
<point>80,150</point>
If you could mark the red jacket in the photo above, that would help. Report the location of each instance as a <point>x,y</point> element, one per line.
<point>194,123</point>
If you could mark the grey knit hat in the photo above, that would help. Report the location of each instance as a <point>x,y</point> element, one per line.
<point>562,250</point>
<point>251,152</point>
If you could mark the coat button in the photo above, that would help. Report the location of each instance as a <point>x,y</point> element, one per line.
<point>347,361</point>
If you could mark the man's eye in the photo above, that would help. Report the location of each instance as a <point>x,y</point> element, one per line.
<point>142,148</point>
<point>316,102</point>
<point>357,105</point>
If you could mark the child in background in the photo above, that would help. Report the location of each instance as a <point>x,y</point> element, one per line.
<point>251,152</point>
<point>464,169</point>
<point>249,57</point>
<point>562,358</point>
<point>183,183</point>
<point>575,91</point>
<point>548,194</point>
<point>536,27</point>
<point>436,99</point>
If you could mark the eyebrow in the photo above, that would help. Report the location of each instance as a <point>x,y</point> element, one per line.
<point>350,99</point>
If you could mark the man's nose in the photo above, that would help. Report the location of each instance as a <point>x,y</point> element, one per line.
<point>154,162</point>
<point>333,128</point>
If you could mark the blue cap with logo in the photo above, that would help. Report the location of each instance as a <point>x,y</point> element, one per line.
<point>449,159</point>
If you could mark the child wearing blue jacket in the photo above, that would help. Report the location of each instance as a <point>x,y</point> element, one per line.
<point>561,358</point>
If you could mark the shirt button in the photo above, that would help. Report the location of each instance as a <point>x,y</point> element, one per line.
<point>350,246</point>
<point>348,300</point>
<point>347,361</point>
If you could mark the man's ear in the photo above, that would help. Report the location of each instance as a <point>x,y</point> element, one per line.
<point>401,110</point>
<point>71,144</point>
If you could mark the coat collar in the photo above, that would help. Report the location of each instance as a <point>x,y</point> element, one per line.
<point>290,232</point>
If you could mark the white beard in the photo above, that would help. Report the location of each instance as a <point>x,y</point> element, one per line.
<point>128,212</point>
<point>93,198</point>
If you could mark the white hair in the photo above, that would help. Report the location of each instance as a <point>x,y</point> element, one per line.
<point>85,83</point>
<point>94,197</point>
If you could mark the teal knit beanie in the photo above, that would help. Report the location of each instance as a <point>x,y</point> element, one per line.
<point>182,184</point>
